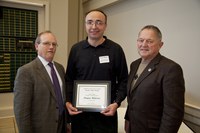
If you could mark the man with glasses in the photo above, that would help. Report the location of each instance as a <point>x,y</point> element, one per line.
<point>96,58</point>
<point>156,88</point>
<point>39,90</point>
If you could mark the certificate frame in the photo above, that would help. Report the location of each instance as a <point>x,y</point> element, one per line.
<point>91,95</point>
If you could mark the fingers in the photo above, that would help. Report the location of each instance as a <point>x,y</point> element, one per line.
<point>107,112</point>
<point>72,110</point>
<point>110,110</point>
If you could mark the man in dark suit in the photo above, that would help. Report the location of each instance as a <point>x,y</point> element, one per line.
<point>156,88</point>
<point>36,103</point>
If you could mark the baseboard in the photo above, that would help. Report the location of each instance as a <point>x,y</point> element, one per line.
<point>192,117</point>
<point>6,112</point>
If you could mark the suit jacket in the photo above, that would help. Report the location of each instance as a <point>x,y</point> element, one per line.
<point>35,105</point>
<point>156,103</point>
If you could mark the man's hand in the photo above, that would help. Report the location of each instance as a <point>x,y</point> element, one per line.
<point>72,110</point>
<point>110,110</point>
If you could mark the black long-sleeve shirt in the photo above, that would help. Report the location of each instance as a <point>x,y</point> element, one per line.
<point>104,62</point>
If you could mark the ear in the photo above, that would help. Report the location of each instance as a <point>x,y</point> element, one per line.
<point>161,44</point>
<point>36,46</point>
<point>105,25</point>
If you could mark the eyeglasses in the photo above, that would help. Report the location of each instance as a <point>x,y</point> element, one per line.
<point>49,44</point>
<point>148,41</point>
<point>97,23</point>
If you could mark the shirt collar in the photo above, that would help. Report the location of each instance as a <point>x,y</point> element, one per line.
<point>104,44</point>
<point>44,62</point>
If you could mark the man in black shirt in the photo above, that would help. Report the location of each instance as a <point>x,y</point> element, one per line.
<point>96,58</point>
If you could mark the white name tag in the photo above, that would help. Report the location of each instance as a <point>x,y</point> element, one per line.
<point>104,59</point>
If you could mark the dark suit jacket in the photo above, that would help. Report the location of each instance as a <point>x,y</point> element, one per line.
<point>156,104</point>
<point>35,104</point>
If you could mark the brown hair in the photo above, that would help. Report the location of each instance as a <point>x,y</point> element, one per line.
<point>97,10</point>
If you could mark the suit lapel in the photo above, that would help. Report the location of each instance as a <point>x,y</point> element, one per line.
<point>147,71</point>
<point>45,76</point>
<point>133,71</point>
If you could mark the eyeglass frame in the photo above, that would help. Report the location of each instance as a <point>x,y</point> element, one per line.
<point>97,23</point>
<point>147,41</point>
<point>49,44</point>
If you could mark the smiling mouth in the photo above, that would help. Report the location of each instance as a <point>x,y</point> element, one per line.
<point>144,50</point>
<point>50,52</point>
<point>94,31</point>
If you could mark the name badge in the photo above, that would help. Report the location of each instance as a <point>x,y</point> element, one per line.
<point>104,59</point>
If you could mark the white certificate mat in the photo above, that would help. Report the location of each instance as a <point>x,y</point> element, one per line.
<point>92,96</point>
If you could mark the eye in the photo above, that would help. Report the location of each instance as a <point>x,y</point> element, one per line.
<point>46,43</point>
<point>99,22</point>
<point>149,41</point>
<point>140,40</point>
<point>54,44</point>
<point>89,22</point>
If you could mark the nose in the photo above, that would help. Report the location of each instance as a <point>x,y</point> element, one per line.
<point>51,45</point>
<point>143,44</point>
<point>94,25</point>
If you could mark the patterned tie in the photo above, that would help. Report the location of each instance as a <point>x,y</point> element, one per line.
<point>56,88</point>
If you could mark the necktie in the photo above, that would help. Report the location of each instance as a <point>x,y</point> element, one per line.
<point>56,88</point>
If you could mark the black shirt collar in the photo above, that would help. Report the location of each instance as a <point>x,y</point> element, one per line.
<point>104,44</point>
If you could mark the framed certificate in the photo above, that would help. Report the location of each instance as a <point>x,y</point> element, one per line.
<point>91,96</point>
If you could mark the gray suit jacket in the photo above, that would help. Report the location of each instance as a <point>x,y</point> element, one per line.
<point>156,103</point>
<point>35,104</point>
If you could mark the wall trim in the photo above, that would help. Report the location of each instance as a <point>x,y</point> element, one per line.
<point>6,112</point>
<point>96,4</point>
<point>192,117</point>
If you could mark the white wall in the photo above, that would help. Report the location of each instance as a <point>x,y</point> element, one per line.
<point>179,22</point>
<point>59,26</point>
<point>177,19</point>
<point>57,22</point>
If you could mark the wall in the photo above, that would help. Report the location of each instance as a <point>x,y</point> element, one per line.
<point>179,22</point>
<point>58,23</point>
<point>73,22</point>
<point>59,26</point>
